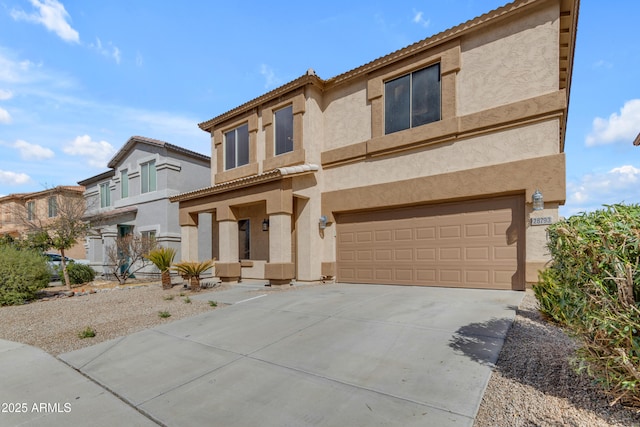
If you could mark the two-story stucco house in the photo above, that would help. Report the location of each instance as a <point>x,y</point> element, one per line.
<point>133,196</point>
<point>20,212</point>
<point>418,168</point>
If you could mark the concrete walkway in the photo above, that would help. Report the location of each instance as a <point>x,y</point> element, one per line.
<point>330,355</point>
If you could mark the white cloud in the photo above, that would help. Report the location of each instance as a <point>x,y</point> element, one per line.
<point>602,64</point>
<point>5,117</point>
<point>594,190</point>
<point>623,127</point>
<point>270,76</point>
<point>139,59</point>
<point>110,51</point>
<point>51,14</point>
<point>5,94</point>
<point>32,151</point>
<point>13,178</point>
<point>97,153</point>
<point>418,18</point>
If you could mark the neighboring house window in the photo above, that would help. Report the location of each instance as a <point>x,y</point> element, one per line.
<point>53,207</point>
<point>31,211</point>
<point>236,147</point>
<point>124,184</point>
<point>284,130</point>
<point>412,100</point>
<point>105,195</point>
<point>244,239</point>
<point>148,176</point>
<point>149,235</point>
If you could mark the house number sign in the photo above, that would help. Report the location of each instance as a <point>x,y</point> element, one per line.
<point>543,220</point>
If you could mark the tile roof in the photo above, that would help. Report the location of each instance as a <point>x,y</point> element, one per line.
<point>260,178</point>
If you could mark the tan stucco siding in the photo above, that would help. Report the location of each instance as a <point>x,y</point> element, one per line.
<point>347,116</point>
<point>518,143</point>
<point>510,61</point>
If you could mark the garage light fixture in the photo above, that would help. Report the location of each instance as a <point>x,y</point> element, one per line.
<point>538,202</point>
<point>265,225</point>
<point>322,223</point>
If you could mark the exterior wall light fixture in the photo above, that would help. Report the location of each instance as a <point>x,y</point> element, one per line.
<point>538,201</point>
<point>265,225</point>
<point>322,223</point>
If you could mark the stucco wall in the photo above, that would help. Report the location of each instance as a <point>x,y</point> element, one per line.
<point>513,144</point>
<point>510,61</point>
<point>347,116</point>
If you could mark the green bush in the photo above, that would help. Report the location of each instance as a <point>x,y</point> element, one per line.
<point>22,274</point>
<point>592,287</point>
<point>78,273</point>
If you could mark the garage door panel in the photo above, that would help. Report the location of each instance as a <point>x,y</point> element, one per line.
<point>476,230</point>
<point>425,233</point>
<point>466,244</point>
<point>449,232</point>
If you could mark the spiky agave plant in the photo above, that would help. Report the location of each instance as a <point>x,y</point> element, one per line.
<point>163,258</point>
<point>192,271</point>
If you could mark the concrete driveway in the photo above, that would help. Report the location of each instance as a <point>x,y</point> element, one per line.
<point>333,355</point>
<point>329,355</point>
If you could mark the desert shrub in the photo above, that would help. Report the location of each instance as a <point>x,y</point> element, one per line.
<point>592,286</point>
<point>78,273</point>
<point>22,274</point>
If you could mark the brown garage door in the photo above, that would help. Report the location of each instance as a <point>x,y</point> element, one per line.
<point>472,244</point>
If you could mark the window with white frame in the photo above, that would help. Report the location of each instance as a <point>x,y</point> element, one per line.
<point>283,130</point>
<point>412,100</point>
<point>105,195</point>
<point>149,235</point>
<point>124,184</point>
<point>52,203</point>
<point>148,177</point>
<point>31,211</point>
<point>236,147</point>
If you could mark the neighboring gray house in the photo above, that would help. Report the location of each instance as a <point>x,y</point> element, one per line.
<point>133,196</point>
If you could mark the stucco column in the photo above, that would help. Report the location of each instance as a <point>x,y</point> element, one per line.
<point>189,244</point>
<point>228,268</point>
<point>280,269</point>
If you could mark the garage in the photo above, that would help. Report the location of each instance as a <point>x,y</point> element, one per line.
<point>470,244</point>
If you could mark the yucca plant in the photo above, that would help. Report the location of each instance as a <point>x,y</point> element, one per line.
<point>163,258</point>
<point>192,270</point>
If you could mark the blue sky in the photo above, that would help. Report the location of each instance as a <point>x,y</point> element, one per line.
<point>78,78</point>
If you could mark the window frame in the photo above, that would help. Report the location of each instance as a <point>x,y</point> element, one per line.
<point>52,206</point>
<point>124,184</point>
<point>388,85</point>
<point>236,146</point>
<point>31,210</point>
<point>289,145</point>
<point>148,176</point>
<point>105,195</point>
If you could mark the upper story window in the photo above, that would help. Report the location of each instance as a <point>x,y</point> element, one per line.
<point>124,184</point>
<point>53,206</point>
<point>105,195</point>
<point>148,177</point>
<point>283,130</point>
<point>412,100</point>
<point>31,211</point>
<point>236,147</point>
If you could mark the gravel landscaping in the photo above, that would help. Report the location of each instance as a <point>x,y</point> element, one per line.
<point>533,383</point>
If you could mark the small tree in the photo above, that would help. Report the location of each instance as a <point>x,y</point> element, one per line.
<point>129,255</point>
<point>60,227</point>
<point>162,258</point>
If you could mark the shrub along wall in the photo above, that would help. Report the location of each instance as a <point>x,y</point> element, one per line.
<point>22,274</point>
<point>593,288</point>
